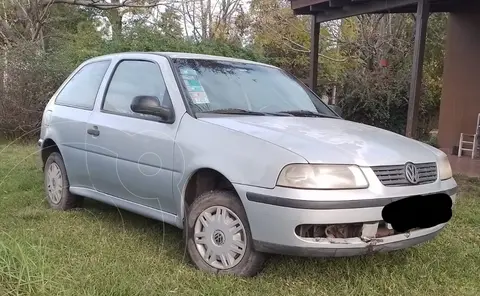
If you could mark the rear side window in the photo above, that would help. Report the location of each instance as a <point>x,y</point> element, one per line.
<point>82,89</point>
<point>131,79</point>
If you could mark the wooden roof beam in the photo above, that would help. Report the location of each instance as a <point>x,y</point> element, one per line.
<point>361,8</point>
<point>295,4</point>
<point>339,3</point>
<point>421,23</point>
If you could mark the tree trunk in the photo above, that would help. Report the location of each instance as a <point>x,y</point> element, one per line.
<point>224,12</point>
<point>41,39</point>
<point>184,14</point>
<point>203,20</point>
<point>115,19</point>
<point>3,86</point>
<point>209,13</point>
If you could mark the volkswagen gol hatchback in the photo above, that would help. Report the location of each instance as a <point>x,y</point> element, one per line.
<point>240,155</point>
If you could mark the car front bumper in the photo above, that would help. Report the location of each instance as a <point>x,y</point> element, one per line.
<point>274,214</point>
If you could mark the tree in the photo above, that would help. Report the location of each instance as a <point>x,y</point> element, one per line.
<point>169,23</point>
<point>285,40</point>
<point>211,20</point>
<point>24,20</point>
<point>42,41</point>
<point>378,94</point>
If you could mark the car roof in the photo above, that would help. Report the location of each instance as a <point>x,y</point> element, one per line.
<point>182,55</point>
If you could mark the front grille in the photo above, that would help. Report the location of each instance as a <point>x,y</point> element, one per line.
<point>394,175</point>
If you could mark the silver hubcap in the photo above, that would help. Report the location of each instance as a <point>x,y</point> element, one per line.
<point>54,183</point>
<point>220,237</point>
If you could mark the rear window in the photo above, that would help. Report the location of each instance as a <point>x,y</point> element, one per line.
<point>82,89</point>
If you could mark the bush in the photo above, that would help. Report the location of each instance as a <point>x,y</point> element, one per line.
<point>29,80</point>
<point>380,98</point>
<point>32,76</point>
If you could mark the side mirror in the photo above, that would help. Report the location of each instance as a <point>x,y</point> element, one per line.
<point>336,109</point>
<point>150,105</point>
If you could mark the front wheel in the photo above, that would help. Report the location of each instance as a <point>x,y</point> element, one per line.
<point>218,236</point>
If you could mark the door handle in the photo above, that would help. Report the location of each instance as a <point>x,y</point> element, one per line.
<point>93,131</point>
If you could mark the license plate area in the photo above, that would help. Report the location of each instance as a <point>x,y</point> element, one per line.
<point>423,211</point>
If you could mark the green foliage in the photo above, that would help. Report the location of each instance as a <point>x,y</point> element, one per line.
<point>350,52</point>
<point>32,76</point>
<point>433,72</point>
<point>22,269</point>
<point>349,61</point>
<point>377,95</point>
<point>377,98</point>
<point>281,37</point>
<point>170,23</point>
<point>143,39</point>
<point>432,140</point>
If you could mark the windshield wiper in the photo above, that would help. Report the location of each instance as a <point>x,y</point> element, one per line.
<point>238,111</point>
<point>234,111</point>
<point>306,113</point>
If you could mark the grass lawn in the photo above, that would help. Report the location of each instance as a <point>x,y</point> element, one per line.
<point>100,250</point>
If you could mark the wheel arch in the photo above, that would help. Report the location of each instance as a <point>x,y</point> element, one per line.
<point>48,147</point>
<point>203,180</point>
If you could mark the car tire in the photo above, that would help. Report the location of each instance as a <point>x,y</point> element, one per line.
<point>218,235</point>
<point>57,186</point>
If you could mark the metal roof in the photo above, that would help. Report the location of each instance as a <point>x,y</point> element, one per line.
<point>326,10</point>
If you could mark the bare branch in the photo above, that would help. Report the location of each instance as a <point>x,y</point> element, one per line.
<point>102,4</point>
<point>300,47</point>
<point>320,55</point>
<point>7,31</point>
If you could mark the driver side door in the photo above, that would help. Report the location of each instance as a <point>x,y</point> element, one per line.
<point>130,155</point>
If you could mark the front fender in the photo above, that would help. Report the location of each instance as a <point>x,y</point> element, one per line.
<point>241,158</point>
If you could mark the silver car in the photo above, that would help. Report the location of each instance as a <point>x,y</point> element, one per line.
<point>242,157</point>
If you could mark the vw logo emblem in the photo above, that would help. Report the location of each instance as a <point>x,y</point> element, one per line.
<point>218,237</point>
<point>411,173</point>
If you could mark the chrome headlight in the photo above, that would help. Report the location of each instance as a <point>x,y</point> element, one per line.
<point>322,176</point>
<point>444,168</point>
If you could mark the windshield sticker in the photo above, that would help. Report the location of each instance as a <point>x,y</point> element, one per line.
<point>188,71</point>
<point>189,77</point>
<point>199,97</point>
<point>195,88</point>
<point>192,82</point>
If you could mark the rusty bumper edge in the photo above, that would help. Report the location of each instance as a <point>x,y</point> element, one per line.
<point>342,252</point>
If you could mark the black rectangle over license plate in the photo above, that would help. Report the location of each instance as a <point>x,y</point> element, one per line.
<point>423,211</point>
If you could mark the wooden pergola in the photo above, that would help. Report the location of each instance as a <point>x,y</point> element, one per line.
<point>328,10</point>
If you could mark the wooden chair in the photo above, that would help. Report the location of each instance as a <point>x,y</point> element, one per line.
<point>470,140</point>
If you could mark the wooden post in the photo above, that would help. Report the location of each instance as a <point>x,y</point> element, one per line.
<point>423,11</point>
<point>314,39</point>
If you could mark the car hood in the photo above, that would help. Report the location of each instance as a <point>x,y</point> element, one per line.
<point>331,140</point>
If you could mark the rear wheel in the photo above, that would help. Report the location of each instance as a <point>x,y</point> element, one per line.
<point>218,235</point>
<point>57,185</point>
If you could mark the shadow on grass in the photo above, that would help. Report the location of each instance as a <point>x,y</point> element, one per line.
<point>155,232</point>
<point>468,185</point>
<point>338,268</point>
<point>276,265</point>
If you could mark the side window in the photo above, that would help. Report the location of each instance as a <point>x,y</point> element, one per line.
<point>82,89</point>
<point>131,79</point>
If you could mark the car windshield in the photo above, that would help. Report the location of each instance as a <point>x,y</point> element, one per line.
<point>243,88</point>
